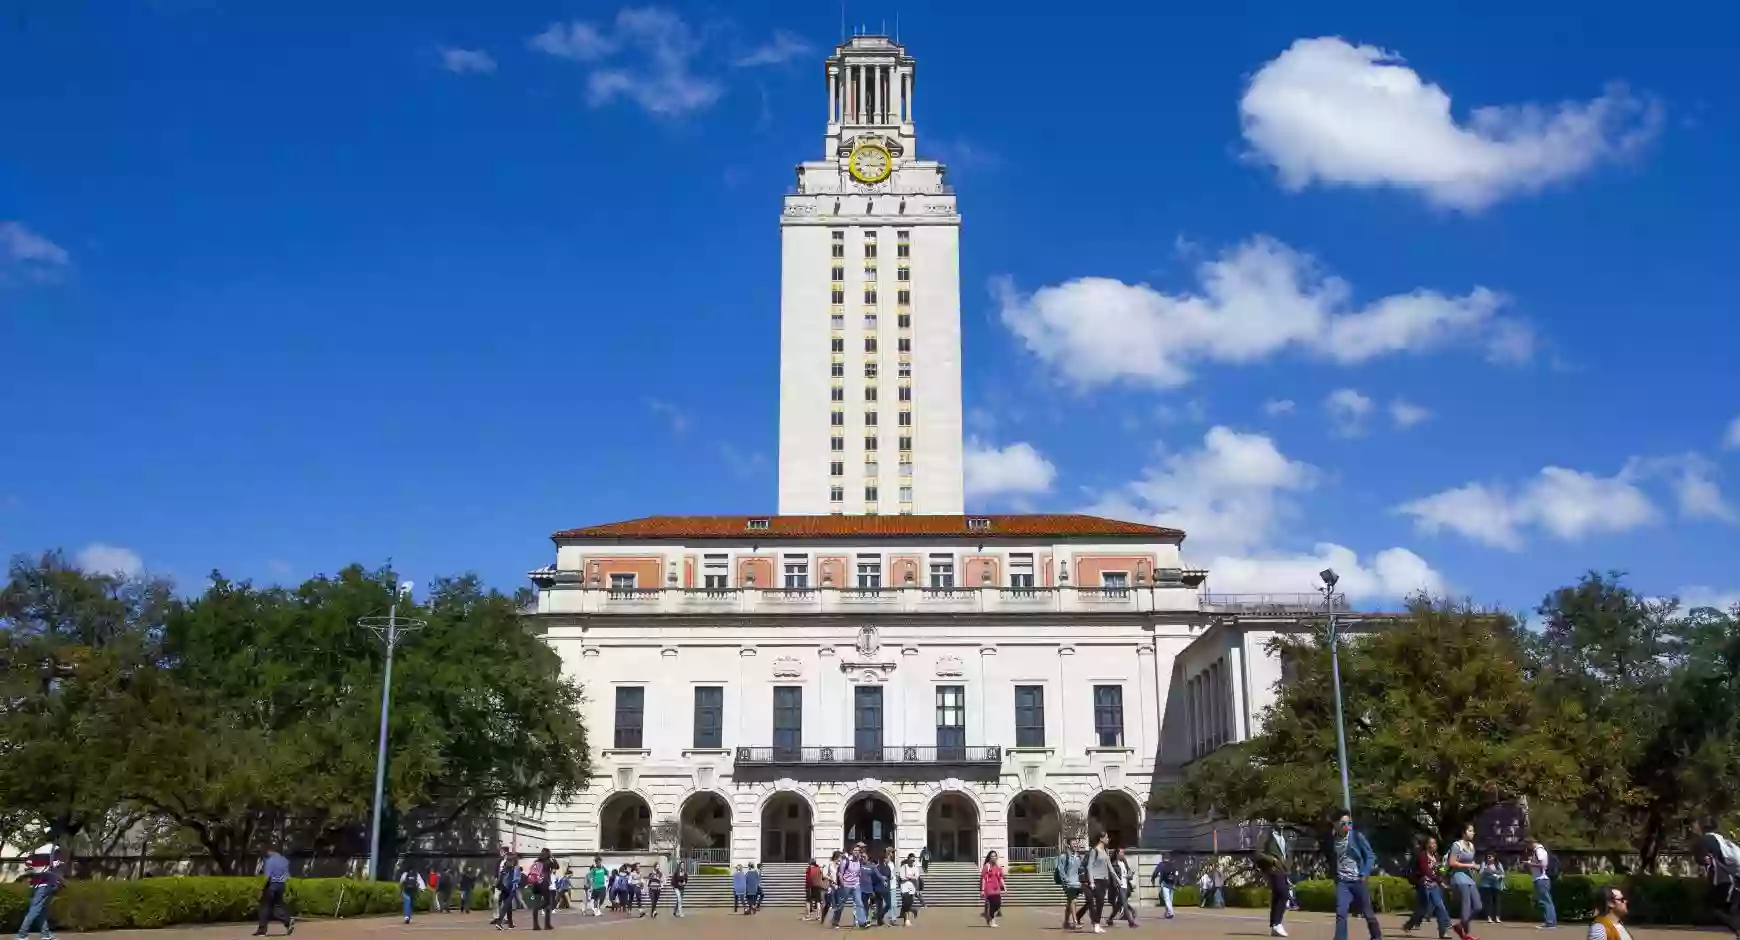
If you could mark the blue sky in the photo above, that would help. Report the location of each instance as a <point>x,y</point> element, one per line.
<point>288,285</point>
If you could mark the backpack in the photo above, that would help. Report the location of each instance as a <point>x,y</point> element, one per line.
<point>536,875</point>
<point>408,880</point>
<point>1057,873</point>
<point>1552,865</point>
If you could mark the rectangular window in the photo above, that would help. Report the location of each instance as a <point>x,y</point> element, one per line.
<point>906,443</point>
<point>838,370</point>
<point>869,249</point>
<point>904,321</point>
<point>797,571</point>
<point>788,722</point>
<point>906,419</point>
<point>906,494</point>
<point>870,467</point>
<point>870,442</point>
<point>870,419</point>
<point>1109,715</point>
<point>902,297</point>
<point>839,234</point>
<point>715,571</point>
<point>837,296</point>
<point>1030,716</point>
<point>836,494</point>
<point>903,250</point>
<point>869,344</point>
<point>622,582</point>
<point>870,295</point>
<point>906,370</point>
<point>839,273</point>
<point>869,272</point>
<point>837,393</point>
<point>839,321</point>
<point>1021,571</point>
<point>869,370</point>
<point>903,273</point>
<point>869,572</point>
<point>942,572</point>
<point>1114,582</point>
<point>906,393</point>
<point>709,717</point>
<point>839,343</point>
<point>869,494</point>
<point>837,444</point>
<point>951,722</point>
<point>906,468</point>
<point>837,469</point>
<point>867,722</point>
<point>837,419</point>
<point>869,393</point>
<point>906,344</point>
<point>869,321</point>
<point>839,251</point>
<point>630,714</point>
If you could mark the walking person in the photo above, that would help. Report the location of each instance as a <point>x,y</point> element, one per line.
<point>1275,860</point>
<point>46,877</point>
<point>655,885</point>
<point>1491,887</point>
<point>1719,858</point>
<point>679,882</point>
<point>597,884</point>
<point>1124,889</point>
<point>1205,887</point>
<point>1165,877</point>
<point>883,887</point>
<point>1464,866</point>
<point>851,874</point>
<point>507,887</point>
<point>739,889</point>
<point>1068,874</point>
<point>1097,870</point>
<point>991,888</point>
<point>1539,862</point>
<point>752,888</point>
<point>542,880</point>
<point>276,869</point>
<point>1354,861</point>
<point>830,887</point>
<point>1428,891</point>
<point>1610,909</point>
<point>812,889</point>
<point>411,884</point>
<point>911,872</point>
<point>467,884</point>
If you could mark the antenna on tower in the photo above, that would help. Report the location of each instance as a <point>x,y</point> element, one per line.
<point>897,26</point>
<point>842,21</point>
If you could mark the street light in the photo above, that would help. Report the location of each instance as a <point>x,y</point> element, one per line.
<point>389,629</point>
<point>1329,580</point>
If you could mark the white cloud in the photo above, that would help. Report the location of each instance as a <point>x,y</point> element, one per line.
<point>1699,595</point>
<point>1407,414</point>
<point>24,250</point>
<point>1731,437</point>
<point>1193,411</point>
<point>648,58</point>
<point>676,417</point>
<point>100,558</point>
<point>467,61</point>
<point>1348,410</point>
<point>782,48</point>
<point>1391,573</point>
<point>1326,111</point>
<point>1233,497</point>
<point>1567,504</point>
<point>1692,477</point>
<point>1253,302</point>
<point>1274,407</point>
<point>1017,468</point>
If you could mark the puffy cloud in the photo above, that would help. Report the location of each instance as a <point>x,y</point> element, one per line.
<point>26,251</point>
<point>782,48</point>
<point>100,558</point>
<point>467,61</point>
<point>1016,469</point>
<point>1275,407</point>
<point>648,58</point>
<point>1252,303</point>
<point>1567,504</point>
<point>1232,497</point>
<point>1699,595</point>
<point>1731,437</point>
<point>1692,477</point>
<point>1407,414</point>
<point>1348,410</point>
<point>1327,111</point>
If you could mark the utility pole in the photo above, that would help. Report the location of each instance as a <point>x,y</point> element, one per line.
<point>1329,580</point>
<point>389,629</point>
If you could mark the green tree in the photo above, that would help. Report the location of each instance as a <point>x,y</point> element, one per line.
<point>1440,725</point>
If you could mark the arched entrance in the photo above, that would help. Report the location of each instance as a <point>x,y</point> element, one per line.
<point>1035,826</point>
<point>870,819</point>
<point>786,823</point>
<point>951,828</point>
<point>706,828</point>
<point>1116,814</point>
<point>625,824</point>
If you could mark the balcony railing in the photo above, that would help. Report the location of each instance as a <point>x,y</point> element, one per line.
<point>569,592</point>
<point>1269,603</point>
<point>886,754</point>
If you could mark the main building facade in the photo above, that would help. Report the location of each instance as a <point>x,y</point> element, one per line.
<point>872,663</point>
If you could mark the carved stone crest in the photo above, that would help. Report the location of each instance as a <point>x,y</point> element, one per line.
<point>948,666</point>
<point>787,667</point>
<point>869,643</point>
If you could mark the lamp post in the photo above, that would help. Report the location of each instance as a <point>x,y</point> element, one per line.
<point>1329,580</point>
<point>389,629</point>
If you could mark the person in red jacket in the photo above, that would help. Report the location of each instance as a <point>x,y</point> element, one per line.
<point>991,886</point>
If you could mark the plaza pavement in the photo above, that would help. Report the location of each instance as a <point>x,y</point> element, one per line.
<point>783,924</point>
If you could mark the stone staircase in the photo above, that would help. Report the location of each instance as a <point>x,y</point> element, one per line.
<point>782,883</point>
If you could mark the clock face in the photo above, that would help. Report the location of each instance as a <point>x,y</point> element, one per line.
<point>870,163</point>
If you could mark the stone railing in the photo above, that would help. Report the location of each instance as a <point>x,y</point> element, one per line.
<point>565,592</point>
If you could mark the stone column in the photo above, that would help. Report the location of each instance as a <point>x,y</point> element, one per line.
<point>833,95</point>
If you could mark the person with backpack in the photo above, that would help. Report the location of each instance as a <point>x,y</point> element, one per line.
<point>1544,866</point>
<point>1067,872</point>
<point>679,882</point>
<point>411,884</point>
<point>543,900</point>
<point>1353,862</point>
<point>1719,857</point>
<point>1428,891</point>
<point>1165,877</point>
<point>1464,866</point>
<point>45,881</point>
<point>655,886</point>
<point>467,885</point>
<point>1274,859</point>
<point>507,886</point>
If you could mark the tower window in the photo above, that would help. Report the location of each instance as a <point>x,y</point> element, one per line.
<point>904,321</point>
<point>903,273</point>
<point>869,494</point>
<point>839,250</point>
<point>839,273</point>
<point>838,321</point>
<point>839,343</point>
<point>870,442</point>
<point>837,296</point>
<point>837,419</point>
<point>869,272</point>
<point>869,321</point>
<point>906,393</point>
<point>906,419</point>
<point>837,393</point>
<point>836,494</point>
<point>839,234</point>
<point>869,370</point>
<point>869,295</point>
<point>869,344</point>
<point>906,344</point>
<point>906,443</point>
<point>870,419</point>
<point>837,468</point>
<point>869,249</point>
<point>904,235</point>
<point>903,250</point>
<point>906,370</point>
<point>837,444</point>
<point>869,393</point>
<point>902,297</point>
<point>838,370</point>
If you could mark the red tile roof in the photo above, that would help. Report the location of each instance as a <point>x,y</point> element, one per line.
<point>873,527</point>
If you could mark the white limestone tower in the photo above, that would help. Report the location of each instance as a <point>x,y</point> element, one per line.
<point>870,318</point>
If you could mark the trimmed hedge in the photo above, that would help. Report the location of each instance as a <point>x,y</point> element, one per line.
<point>1655,899</point>
<point>161,902</point>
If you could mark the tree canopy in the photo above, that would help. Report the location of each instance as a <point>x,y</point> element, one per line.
<point>246,715</point>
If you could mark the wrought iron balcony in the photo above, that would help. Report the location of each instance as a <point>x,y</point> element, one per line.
<point>886,754</point>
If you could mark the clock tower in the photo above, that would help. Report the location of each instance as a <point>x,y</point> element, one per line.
<point>870,325</point>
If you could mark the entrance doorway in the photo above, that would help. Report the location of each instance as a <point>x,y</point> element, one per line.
<point>870,820</point>
<point>1035,827</point>
<point>951,829</point>
<point>1117,815</point>
<point>786,824</point>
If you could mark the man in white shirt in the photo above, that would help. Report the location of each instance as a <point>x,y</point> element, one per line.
<point>1539,863</point>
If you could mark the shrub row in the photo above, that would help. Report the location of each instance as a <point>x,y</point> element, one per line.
<point>161,902</point>
<point>1655,899</point>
